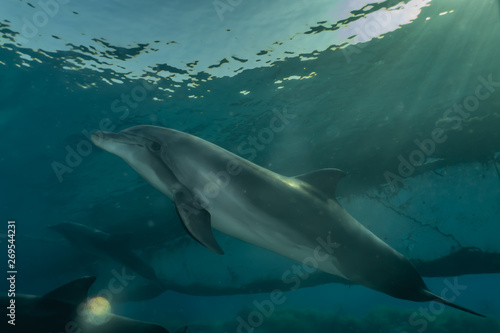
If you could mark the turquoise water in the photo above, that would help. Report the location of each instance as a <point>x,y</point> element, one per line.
<point>402,95</point>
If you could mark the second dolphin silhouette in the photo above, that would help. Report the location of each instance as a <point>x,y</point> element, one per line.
<point>98,242</point>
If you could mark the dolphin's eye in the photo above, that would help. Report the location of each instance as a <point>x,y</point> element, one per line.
<point>155,146</point>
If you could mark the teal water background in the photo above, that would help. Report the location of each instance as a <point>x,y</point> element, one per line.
<point>362,84</point>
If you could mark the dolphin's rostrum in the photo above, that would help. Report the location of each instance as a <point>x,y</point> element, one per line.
<point>297,217</point>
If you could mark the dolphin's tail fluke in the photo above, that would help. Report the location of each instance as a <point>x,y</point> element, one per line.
<point>433,297</point>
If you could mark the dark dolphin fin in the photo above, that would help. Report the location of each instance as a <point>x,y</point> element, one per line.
<point>325,180</point>
<point>196,220</point>
<point>73,292</point>
<point>433,297</point>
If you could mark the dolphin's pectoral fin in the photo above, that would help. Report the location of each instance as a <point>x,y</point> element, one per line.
<point>325,180</point>
<point>196,220</point>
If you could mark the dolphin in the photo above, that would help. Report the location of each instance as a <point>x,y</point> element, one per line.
<point>100,243</point>
<point>65,309</point>
<point>297,217</point>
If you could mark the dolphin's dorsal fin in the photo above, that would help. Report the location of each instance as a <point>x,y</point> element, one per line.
<point>196,220</point>
<point>73,292</point>
<point>325,180</point>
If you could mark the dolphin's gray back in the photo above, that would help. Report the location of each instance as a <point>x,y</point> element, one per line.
<point>257,205</point>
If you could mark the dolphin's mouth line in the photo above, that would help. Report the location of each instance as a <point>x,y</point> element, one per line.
<point>124,138</point>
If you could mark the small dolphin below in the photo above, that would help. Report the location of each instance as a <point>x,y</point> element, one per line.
<point>297,217</point>
<point>100,243</point>
<point>68,309</point>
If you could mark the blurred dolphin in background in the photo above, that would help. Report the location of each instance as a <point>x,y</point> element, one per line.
<point>68,309</point>
<point>114,246</point>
